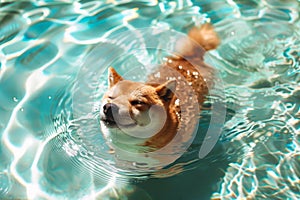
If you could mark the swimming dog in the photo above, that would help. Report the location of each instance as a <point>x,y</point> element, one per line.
<point>145,117</point>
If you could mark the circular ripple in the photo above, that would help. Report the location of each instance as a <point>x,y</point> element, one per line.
<point>135,54</point>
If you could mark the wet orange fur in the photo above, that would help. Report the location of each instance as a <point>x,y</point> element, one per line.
<point>206,37</point>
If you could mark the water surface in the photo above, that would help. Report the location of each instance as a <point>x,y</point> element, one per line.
<point>44,51</point>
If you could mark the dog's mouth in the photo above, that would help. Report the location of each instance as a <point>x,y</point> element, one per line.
<point>113,124</point>
<point>108,122</point>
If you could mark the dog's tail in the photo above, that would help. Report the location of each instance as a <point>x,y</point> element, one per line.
<point>205,36</point>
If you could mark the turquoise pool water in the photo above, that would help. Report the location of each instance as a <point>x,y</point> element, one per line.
<point>51,80</point>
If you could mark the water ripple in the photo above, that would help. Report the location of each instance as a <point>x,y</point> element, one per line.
<point>12,24</point>
<point>43,46</point>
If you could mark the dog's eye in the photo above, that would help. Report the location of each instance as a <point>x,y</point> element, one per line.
<point>137,102</point>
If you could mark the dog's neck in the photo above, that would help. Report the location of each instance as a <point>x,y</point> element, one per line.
<point>167,133</point>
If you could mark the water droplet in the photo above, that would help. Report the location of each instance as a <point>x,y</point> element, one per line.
<point>49,97</point>
<point>15,99</point>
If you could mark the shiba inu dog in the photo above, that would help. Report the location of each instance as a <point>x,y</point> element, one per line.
<point>144,117</point>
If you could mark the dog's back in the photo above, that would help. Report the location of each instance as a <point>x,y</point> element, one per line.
<point>187,66</point>
<point>193,78</point>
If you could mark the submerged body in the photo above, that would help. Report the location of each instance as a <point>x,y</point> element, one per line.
<point>144,117</point>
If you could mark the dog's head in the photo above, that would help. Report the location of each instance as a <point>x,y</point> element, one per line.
<point>131,112</point>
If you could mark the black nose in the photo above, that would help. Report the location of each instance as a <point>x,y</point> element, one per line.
<point>109,111</point>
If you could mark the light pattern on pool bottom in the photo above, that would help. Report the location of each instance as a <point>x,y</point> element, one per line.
<point>43,45</point>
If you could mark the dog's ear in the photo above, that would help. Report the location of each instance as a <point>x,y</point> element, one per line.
<point>166,90</point>
<point>113,77</point>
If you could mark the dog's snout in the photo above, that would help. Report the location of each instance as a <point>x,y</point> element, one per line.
<point>109,107</point>
<point>110,110</point>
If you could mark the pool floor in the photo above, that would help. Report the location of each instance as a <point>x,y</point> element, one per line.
<point>54,57</point>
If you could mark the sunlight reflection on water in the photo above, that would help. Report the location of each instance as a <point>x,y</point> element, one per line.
<point>43,45</point>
